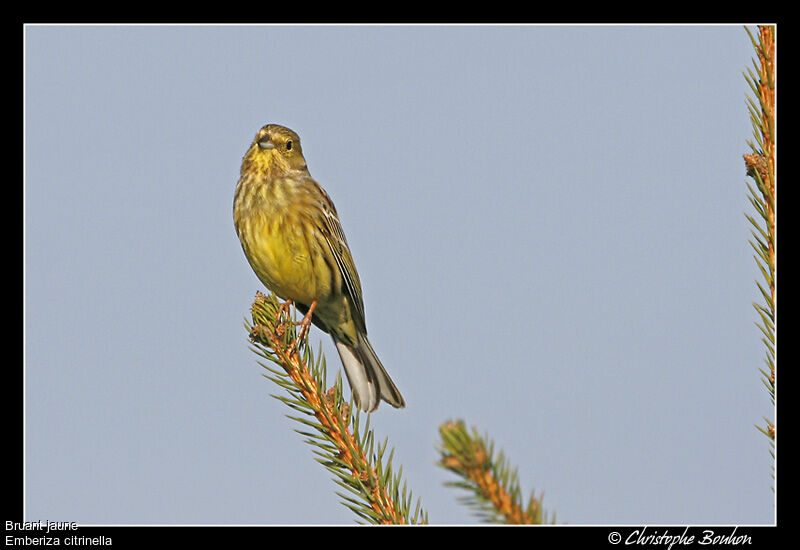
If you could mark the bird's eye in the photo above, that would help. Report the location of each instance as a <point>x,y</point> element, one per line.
<point>289,145</point>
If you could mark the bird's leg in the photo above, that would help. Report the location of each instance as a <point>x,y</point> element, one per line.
<point>284,308</point>
<point>305,324</point>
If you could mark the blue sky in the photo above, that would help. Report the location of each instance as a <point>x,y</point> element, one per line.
<point>548,222</point>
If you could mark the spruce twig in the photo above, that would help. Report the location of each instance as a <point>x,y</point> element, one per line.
<point>760,165</point>
<point>494,488</point>
<point>372,490</point>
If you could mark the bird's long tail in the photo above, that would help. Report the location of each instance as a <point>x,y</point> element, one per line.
<point>368,379</point>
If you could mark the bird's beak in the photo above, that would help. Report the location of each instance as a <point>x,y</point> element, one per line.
<point>266,143</point>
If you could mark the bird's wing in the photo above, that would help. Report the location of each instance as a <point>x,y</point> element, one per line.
<point>334,235</point>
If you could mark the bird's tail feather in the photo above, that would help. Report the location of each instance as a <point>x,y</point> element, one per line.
<point>368,379</point>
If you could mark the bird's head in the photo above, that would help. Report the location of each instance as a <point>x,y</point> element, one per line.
<point>276,148</point>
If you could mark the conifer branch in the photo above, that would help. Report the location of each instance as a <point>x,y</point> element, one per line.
<point>494,487</point>
<point>761,167</point>
<point>329,424</point>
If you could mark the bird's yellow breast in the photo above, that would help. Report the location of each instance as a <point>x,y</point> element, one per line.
<point>282,253</point>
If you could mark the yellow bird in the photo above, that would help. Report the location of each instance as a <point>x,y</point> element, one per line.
<point>292,237</point>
